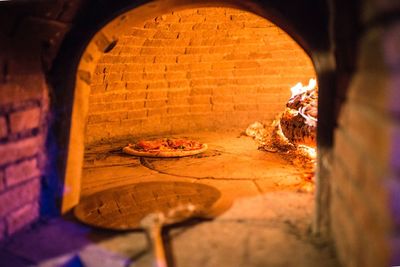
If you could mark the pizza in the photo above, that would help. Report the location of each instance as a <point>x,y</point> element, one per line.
<point>165,147</point>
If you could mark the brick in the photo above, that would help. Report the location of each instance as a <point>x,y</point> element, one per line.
<point>201,82</point>
<point>221,73</point>
<point>155,67</point>
<point>116,85</point>
<point>177,93</point>
<point>165,35</point>
<point>222,107</point>
<point>22,171</point>
<point>159,51</point>
<point>157,94</point>
<point>204,26</point>
<point>198,50</point>
<point>134,67</point>
<point>171,76</point>
<point>115,106</point>
<point>3,127</point>
<point>212,58</point>
<point>192,18</point>
<point>223,65</point>
<point>117,68</point>
<point>153,42</point>
<point>246,64</point>
<point>113,77</point>
<point>182,59</point>
<point>245,107</point>
<point>181,27</point>
<point>171,17</point>
<point>132,76</point>
<point>137,32</point>
<point>200,66</point>
<point>136,85</point>
<point>155,103</point>
<point>165,59</point>
<point>157,111</point>
<point>22,217</point>
<point>13,151</point>
<point>178,101</point>
<point>178,109</point>
<point>13,198</point>
<point>236,56</point>
<point>136,95</point>
<point>178,84</point>
<point>97,88</point>
<point>150,24</point>
<point>113,96</point>
<point>157,85</point>
<point>153,76</point>
<point>176,67</point>
<point>200,108</point>
<point>223,91</point>
<point>113,116</point>
<point>201,99</point>
<point>24,120</point>
<point>136,114</point>
<point>130,51</point>
<point>245,98</point>
<point>222,99</point>
<point>201,91</point>
<point>197,74</point>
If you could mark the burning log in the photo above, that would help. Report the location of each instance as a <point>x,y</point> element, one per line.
<point>299,120</point>
<point>295,130</point>
<point>294,133</point>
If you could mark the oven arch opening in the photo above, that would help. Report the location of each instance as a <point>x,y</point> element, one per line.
<point>73,94</point>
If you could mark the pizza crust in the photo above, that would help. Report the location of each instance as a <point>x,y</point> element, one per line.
<point>164,154</point>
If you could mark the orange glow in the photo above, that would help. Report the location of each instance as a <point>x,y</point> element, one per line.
<point>309,151</point>
<point>299,88</point>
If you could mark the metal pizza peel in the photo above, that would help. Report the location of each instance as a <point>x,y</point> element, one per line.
<point>150,206</point>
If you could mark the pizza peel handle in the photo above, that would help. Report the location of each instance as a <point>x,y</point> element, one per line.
<point>152,224</point>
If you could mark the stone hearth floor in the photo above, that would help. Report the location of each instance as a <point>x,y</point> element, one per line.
<point>267,224</point>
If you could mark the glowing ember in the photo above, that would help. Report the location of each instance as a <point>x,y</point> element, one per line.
<point>309,151</point>
<point>294,133</point>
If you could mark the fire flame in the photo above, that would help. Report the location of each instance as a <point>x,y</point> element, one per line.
<point>309,151</point>
<point>299,88</point>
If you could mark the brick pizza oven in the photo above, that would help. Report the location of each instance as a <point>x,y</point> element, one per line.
<point>76,74</point>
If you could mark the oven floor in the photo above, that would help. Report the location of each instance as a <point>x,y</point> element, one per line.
<point>232,164</point>
<point>267,224</point>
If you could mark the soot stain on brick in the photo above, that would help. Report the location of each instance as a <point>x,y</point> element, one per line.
<point>110,46</point>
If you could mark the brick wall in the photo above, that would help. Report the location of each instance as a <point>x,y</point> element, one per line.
<point>23,107</point>
<point>366,168</point>
<point>30,36</point>
<point>208,68</point>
